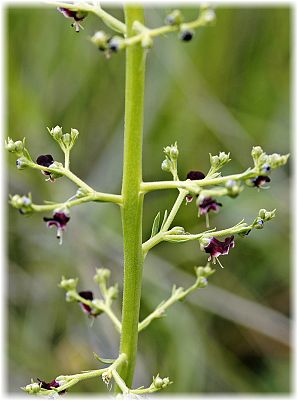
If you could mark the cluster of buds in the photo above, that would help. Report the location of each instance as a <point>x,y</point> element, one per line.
<point>263,164</point>
<point>202,274</point>
<point>107,43</point>
<point>18,147</point>
<point>169,164</point>
<point>262,217</point>
<point>159,383</point>
<point>186,33</point>
<point>65,141</point>
<point>90,305</point>
<point>101,277</point>
<point>218,161</point>
<point>22,203</point>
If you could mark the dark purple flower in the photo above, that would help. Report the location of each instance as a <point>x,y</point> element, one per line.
<point>217,248</point>
<point>260,180</point>
<point>193,175</point>
<point>59,220</point>
<point>50,386</point>
<point>208,204</point>
<point>76,15</point>
<point>88,295</point>
<point>45,161</point>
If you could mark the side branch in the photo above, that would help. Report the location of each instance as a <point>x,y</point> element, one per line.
<point>195,185</point>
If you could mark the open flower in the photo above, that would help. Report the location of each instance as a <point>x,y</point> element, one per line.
<point>216,248</point>
<point>208,204</point>
<point>193,175</point>
<point>59,220</point>
<point>260,180</point>
<point>88,295</point>
<point>76,15</point>
<point>50,386</point>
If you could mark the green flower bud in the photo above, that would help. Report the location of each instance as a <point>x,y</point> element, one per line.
<point>32,388</point>
<point>71,296</point>
<point>100,39</point>
<point>233,188</point>
<point>256,152</point>
<point>102,275</point>
<point>160,383</point>
<point>209,15</point>
<point>166,165</point>
<point>66,139</point>
<point>69,284</point>
<point>74,133</point>
<point>262,213</point>
<point>116,43</point>
<point>22,163</point>
<point>185,34</point>
<point>174,18</point>
<point>113,291</point>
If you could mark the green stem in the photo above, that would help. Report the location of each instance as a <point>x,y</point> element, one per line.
<point>132,206</point>
<point>157,185</point>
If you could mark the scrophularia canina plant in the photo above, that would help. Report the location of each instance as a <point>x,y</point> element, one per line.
<point>133,37</point>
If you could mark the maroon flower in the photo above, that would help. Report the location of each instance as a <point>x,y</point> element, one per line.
<point>46,161</point>
<point>208,204</point>
<point>50,386</point>
<point>217,248</point>
<point>76,15</point>
<point>193,175</point>
<point>59,220</point>
<point>88,295</point>
<point>260,180</point>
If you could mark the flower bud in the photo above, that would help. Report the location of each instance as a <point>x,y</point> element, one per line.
<point>56,132</point>
<point>15,147</point>
<point>32,388</point>
<point>113,291</point>
<point>258,224</point>
<point>116,43</point>
<point>262,213</point>
<point>66,139</point>
<point>174,18</point>
<point>71,296</point>
<point>166,165</point>
<point>233,188</point>
<point>256,152</point>
<point>185,34</point>
<point>100,39</point>
<point>74,133</point>
<point>202,282</point>
<point>22,163</point>
<point>69,284</point>
<point>102,275</point>
<point>160,383</point>
<point>209,15</point>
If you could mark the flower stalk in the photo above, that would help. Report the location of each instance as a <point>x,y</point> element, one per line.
<point>132,199</point>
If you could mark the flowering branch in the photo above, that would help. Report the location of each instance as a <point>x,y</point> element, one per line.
<point>178,294</point>
<point>64,382</point>
<point>95,8</point>
<point>94,307</point>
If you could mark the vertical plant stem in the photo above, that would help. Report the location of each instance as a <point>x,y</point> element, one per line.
<point>132,206</point>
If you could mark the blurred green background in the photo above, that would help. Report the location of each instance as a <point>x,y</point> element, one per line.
<point>227,90</point>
